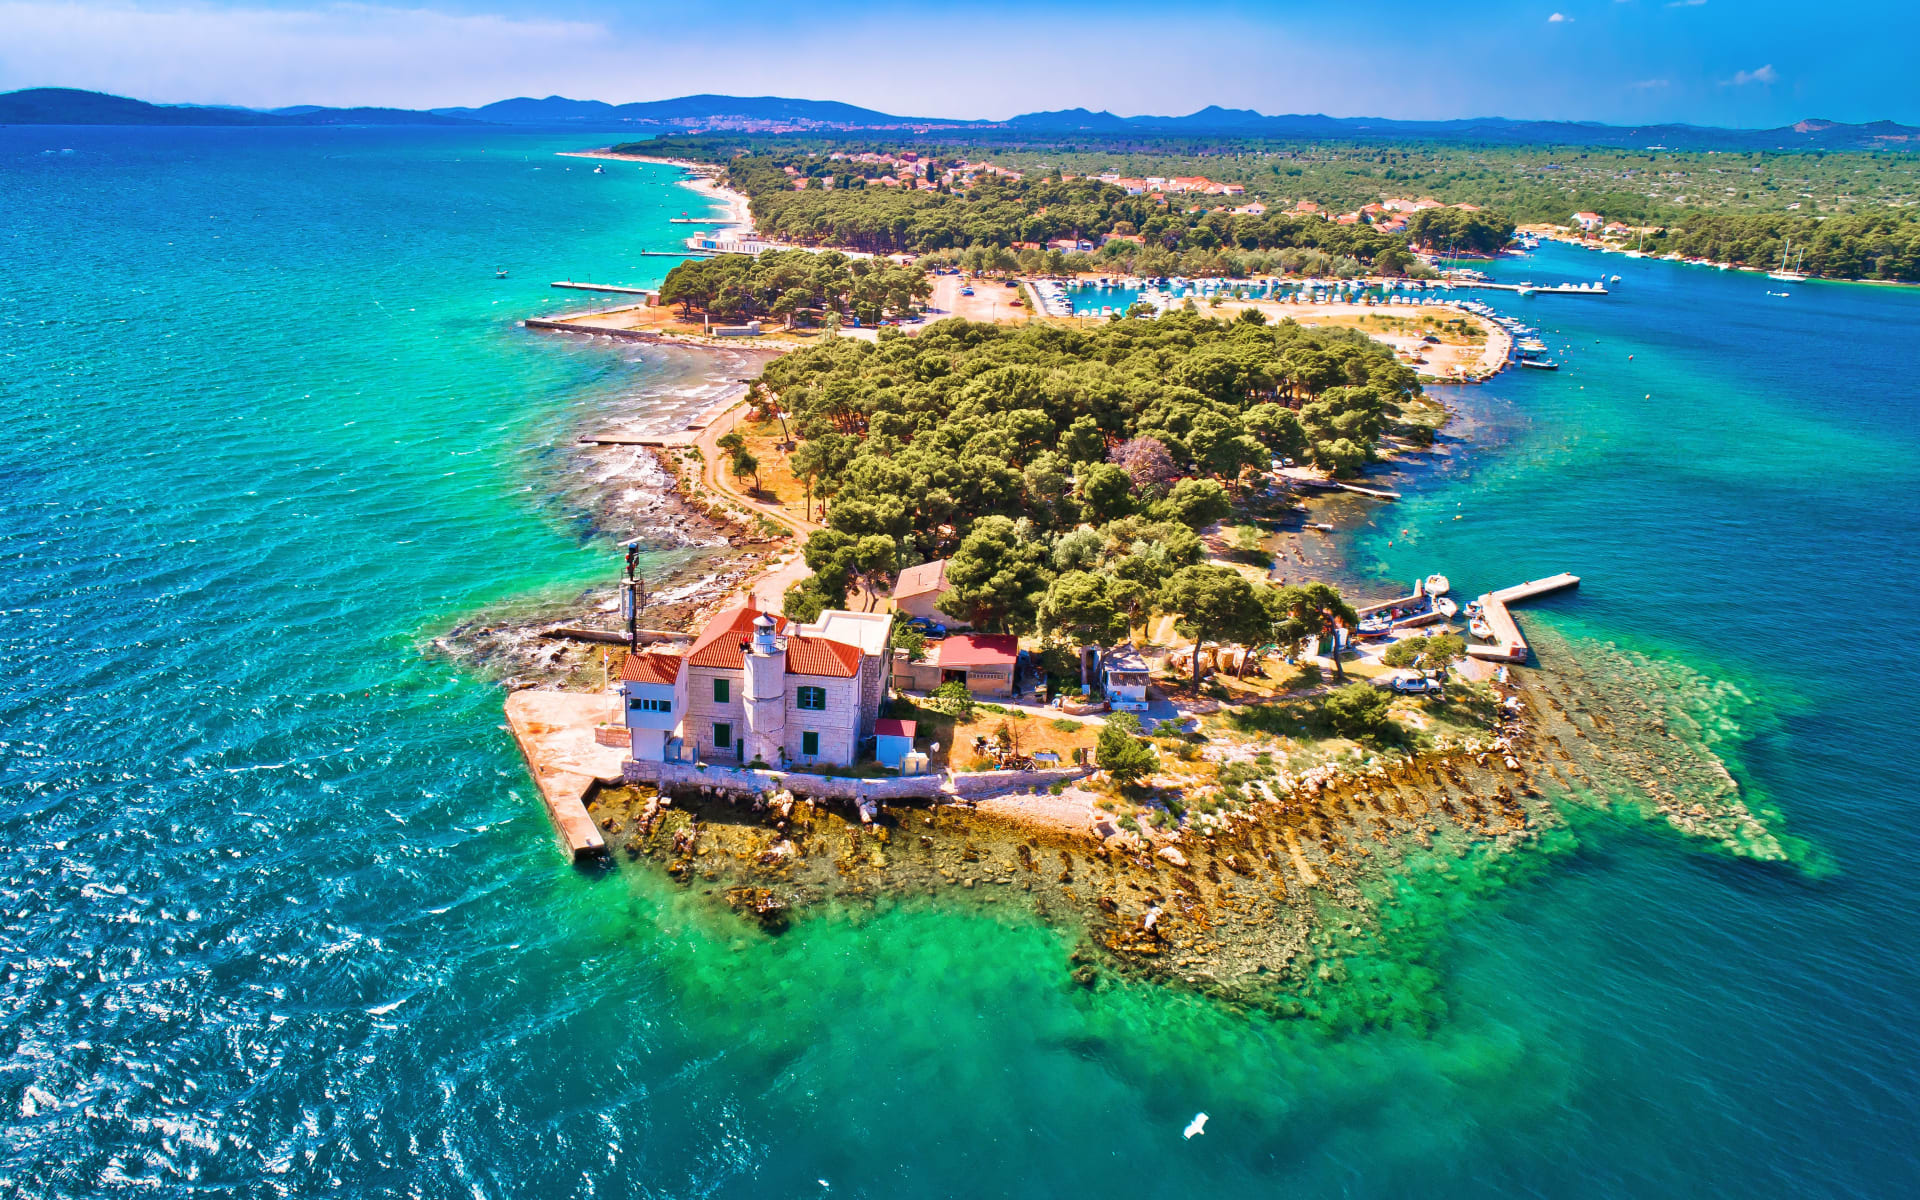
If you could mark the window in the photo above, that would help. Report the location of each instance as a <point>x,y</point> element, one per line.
<point>643,704</point>
<point>814,698</point>
<point>722,689</point>
<point>809,743</point>
<point>722,736</point>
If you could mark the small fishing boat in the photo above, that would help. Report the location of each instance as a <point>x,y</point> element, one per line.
<point>1437,585</point>
<point>1375,625</point>
<point>1479,628</point>
<point>1447,609</point>
<point>499,272</point>
<point>599,170</point>
<point>1540,364</point>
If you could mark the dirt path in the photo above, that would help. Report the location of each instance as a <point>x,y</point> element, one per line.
<point>770,589</point>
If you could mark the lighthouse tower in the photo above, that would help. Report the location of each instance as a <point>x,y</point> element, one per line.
<point>766,694</point>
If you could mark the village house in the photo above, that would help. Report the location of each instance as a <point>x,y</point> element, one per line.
<point>1587,221</point>
<point>982,662</point>
<point>754,687</point>
<point>918,590</point>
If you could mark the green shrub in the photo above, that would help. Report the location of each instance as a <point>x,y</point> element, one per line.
<point>1358,710</point>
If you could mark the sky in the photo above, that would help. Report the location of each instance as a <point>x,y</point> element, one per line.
<point>1749,63</point>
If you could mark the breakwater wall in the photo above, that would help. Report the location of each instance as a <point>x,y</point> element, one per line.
<point>748,781</point>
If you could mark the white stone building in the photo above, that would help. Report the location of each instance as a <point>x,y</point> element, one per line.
<point>757,688</point>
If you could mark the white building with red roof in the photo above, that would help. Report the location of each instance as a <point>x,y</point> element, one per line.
<point>755,687</point>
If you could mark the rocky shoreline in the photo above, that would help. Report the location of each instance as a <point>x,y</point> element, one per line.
<point>1293,903</point>
<point>1292,899</point>
<point>697,555</point>
<point>1262,905</point>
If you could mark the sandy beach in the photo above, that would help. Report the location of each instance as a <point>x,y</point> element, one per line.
<point>706,182</point>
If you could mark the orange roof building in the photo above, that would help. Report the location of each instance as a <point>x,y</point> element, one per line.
<point>756,689</point>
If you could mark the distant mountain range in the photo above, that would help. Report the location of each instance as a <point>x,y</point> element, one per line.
<point>68,106</point>
<point>773,114</point>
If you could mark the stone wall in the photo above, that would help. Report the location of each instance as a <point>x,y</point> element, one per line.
<point>834,787</point>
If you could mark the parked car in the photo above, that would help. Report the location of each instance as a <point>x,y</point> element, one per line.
<point>1417,685</point>
<point>933,631</point>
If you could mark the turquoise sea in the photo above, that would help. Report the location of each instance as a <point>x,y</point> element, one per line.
<point>281,915</point>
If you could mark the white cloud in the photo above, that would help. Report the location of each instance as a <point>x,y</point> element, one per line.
<point>1764,74</point>
<point>331,54</point>
<point>1558,18</point>
<point>1685,3</point>
<point>1647,84</point>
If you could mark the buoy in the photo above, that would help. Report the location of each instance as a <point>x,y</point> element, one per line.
<point>1196,1126</point>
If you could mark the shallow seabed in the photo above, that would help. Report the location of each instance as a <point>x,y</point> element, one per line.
<point>281,912</point>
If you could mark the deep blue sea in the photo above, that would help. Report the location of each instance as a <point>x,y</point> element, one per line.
<point>280,913</point>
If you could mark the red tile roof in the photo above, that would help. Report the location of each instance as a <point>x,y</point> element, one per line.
<point>893,727</point>
<point>651,666</point>
<point>818,656</point>
<point>720,642</point>
<point>978,650</point>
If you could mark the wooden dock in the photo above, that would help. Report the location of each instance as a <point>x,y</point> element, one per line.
<point>603,287</point>
<point>555,732</point>
<point>1508,643</point>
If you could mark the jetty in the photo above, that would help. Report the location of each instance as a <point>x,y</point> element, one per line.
<point>1308,477</point>
<point>1532,289</point>
<point>613,637</point>
<point>560,735</point>
<point>603,287</point>
<point>1508,643</point>
<point>657,440</point>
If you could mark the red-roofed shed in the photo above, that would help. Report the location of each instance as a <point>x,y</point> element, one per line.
<point>984,662</point>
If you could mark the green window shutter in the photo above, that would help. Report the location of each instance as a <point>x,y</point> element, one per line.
<point>722,736</point>
<point>721,690</point>
<point>809,743</point>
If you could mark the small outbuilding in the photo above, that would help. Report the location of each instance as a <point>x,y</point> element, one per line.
<point>1123,677</point>
<point>892,741</point>
<point>983,662</point>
